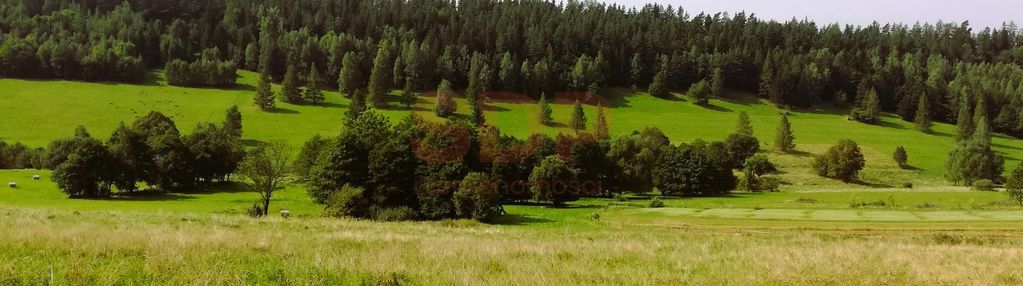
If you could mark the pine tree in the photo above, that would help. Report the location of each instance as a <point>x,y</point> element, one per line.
<point>472,91</point>
<point>701,92</point>
<point>445,102</point>
<point>600,127</point>
<point>477,113</point>
<point>636,70</point>
<point>964,121</point>
<point>312,92</point>
<point>357,105</point>
<point>233,122</point>
<point>264,98</point>
<point>717,84</point>
<point>544,110</point>
<point>349,78</point>
<point>378,77</point>
<point>743,126</point>
<point>578,117</point>
<point>289,87</point>
<point>784,141</point>
<point>408,97</point>
<point>766,77</point>
<point>659,87</point>
<point>923,115</point>
<point>900,157</point>
<point>869,109</point>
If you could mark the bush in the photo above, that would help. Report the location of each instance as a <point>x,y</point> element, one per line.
<point>693,171</point>
<point>552,180</point>
<point>621,198</point>
<point>657,203</point>
<point>842,161</point>
<point>349,201</point>
<point>477,198</point>
<point>758,165</point>
<point>901,157</point>
<point>1014,186</point>
<point>402,213</point>
<point>255,210</point>
<point>741,147</point>
<point>983,185</point>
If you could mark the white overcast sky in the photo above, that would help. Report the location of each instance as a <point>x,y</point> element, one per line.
<point>980,13</point>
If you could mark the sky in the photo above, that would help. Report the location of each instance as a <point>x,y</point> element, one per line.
<point>980,13</point>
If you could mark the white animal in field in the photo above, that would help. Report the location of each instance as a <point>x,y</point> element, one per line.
<point>35,177</point>
<point>285,213</point>
<point>12,184</point>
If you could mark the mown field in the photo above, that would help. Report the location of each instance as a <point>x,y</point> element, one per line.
<point>895,226</point>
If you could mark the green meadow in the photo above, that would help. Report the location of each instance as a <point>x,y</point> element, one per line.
<point>892,227</point>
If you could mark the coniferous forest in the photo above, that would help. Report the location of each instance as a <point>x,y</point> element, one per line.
<point>534,47</point>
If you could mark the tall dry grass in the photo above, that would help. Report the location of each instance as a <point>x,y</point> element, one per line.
<point>122,248</point>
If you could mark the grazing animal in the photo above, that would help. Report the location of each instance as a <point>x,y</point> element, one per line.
<point>35,177</point>
<point>12,184</point>
<point>285,213</point>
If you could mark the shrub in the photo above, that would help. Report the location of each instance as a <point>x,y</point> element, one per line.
<point>842,161</point>
<point>1014,186</point>
<point>983,185</point>
<point>758,164</point>
<point>900,157</point>
<point>477,198</point>
<point>401,213</point>
<point>741,147</point>
<point>349,201</point>
<point>657,203</point>
<point>693,171</point>
<point>255,210</point>
<point>621,197</point>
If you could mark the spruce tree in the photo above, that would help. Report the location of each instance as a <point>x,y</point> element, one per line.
<point>544,110</point>
<point>233,122</point>
<point>312,92</point>
<point>600,128</point>
<point>578,117</point>
<point>659,87</point>
<point>743,126</point>
<point>964,121</point>
<point>766,77</point>
<point>289,87</point>
<point>264,98</point>
<point>408,97</point>
<point>717,84</point>
<point>349,78</point>
<point>472,91</point>
<point>477,113</point>
<point>357,105</point>
<point>923,115</point>
<point>900,157</point>
<point>784,141</point>
<point>378,77</point>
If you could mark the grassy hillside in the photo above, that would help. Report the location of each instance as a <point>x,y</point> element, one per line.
<point>37,112</point>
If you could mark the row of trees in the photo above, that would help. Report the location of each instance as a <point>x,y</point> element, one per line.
<point>151,151</point>
<point>468,170</point>
<point>207,71</point>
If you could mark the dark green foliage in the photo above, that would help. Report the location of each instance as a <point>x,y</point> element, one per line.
<point>659,86</point>
<point>86,172</point>
<point>701,92</point>
<point>964,121</point>
<point>973,159</point>
<point>544,111</point>
<point>391,163</point>
<point>408,96</point>
<point>743,126</point>
<point>901,157</point>
<point>204,72</point>
<point>869,109</point>
<point>1014,185</point>
<point>289,86</point>
<point>553,181</point>
<point>656,203</point>
<point>350,77</point>
<point>19,156</point>
<point>694,170</point>
<point>740,147</point>
<point>634,157</point>
<point>477,198</point>
<point>784,141</point>
<point>983,185</point>
<point>842,161</point>
<point>264,98</point>
<point>717,83</point>
<point>922,118</point>
<point>357,105</point>
<point>233,122</point>
<point>342,162</point>
<point>312,93</point>
<point>216,154</point>
<point>378,76</point>
<point>594,169</point>
<point>758,165</point>
<point>309,154</point>
<point>578,121</point>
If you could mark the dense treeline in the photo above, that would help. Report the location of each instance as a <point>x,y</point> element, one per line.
<point>418,169</point>
<point>531,46</point>
<point>150,152</point>
<point>207,71</point>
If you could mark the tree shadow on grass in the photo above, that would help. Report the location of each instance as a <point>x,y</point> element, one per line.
<point>711,106</point>
<point>220,187</point>
<point>146,196</point>
<point>861,182</point>
<point>251,142</point>
<point>281,110</point>
<point>518,219</point>
<point>495,108</point>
